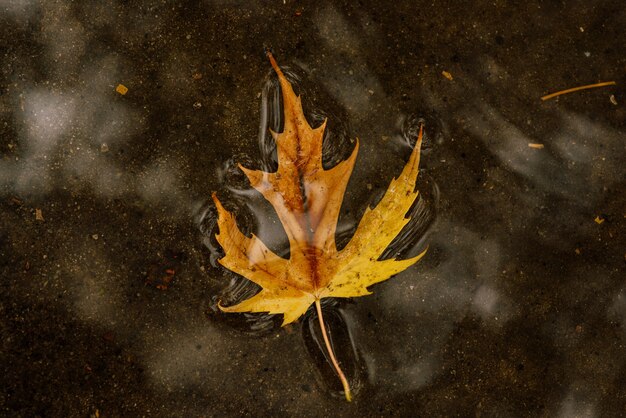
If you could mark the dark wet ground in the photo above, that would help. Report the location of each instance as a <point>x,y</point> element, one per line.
<point>518,309</point>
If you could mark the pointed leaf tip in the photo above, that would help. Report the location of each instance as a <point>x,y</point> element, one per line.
<point>214,197</point>
<point>418,144</point>
<point>274,64</point>
<point>217,202</point>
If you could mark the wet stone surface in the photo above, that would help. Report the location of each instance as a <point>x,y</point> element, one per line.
<point>118,119</point>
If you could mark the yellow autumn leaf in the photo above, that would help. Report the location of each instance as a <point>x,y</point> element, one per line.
<point>307,199</point>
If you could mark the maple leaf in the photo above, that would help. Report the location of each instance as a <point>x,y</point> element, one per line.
<point>307,199</point>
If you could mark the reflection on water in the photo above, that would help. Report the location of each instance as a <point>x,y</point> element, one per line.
<point>519,307</point>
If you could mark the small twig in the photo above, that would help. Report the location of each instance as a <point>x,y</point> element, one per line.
<point>589,86</point>
<point>342,377</point>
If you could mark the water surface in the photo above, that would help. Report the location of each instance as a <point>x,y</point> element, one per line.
<point>109,277</point>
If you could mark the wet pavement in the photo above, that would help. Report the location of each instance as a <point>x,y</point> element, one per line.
<point>108,272</point>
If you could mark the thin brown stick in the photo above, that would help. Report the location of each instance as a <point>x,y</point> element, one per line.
<point>588,86</point>
<point>342,377</point>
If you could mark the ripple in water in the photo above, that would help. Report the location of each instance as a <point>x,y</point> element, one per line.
<point>343,346</point>
<point>254,216</point>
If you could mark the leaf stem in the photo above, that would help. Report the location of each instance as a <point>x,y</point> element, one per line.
<point>342,377</point>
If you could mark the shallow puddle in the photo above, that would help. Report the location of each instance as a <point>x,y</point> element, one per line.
<point>110,279</point>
